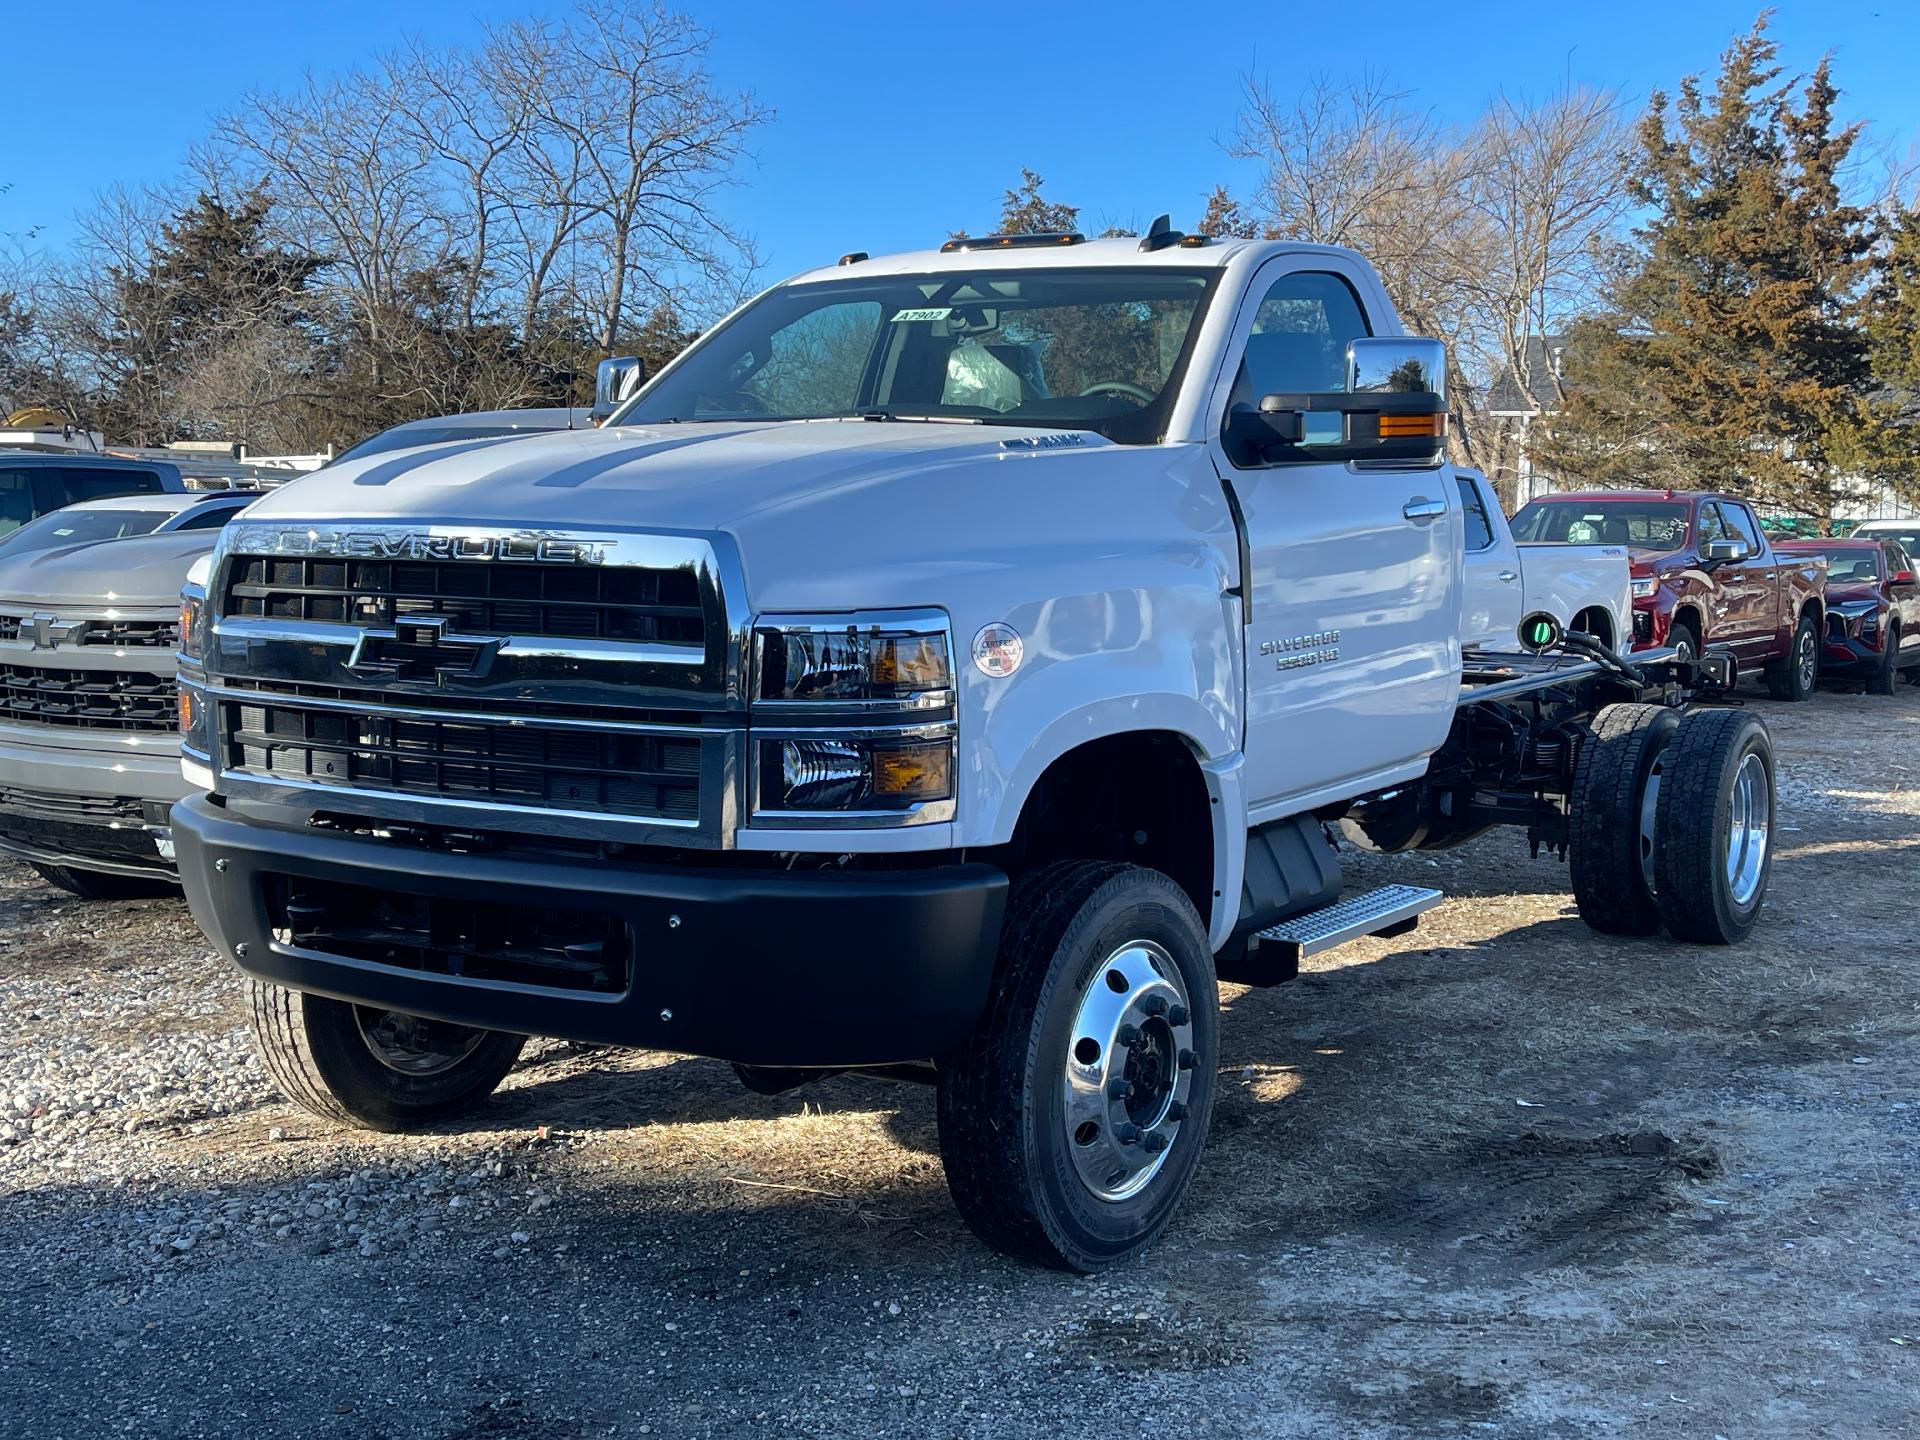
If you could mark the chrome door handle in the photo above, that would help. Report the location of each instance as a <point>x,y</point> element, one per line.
<point>1420,510</point>
<point>1507,577</point>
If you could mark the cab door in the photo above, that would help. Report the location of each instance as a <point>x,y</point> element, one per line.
<point>1493,595</point>
<point>1750,589</point>
<point>1353,586</point>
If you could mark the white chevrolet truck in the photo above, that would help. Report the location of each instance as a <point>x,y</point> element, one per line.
<point>952,666</point>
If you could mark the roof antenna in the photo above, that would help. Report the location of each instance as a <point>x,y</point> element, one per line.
<point>1160,235</point>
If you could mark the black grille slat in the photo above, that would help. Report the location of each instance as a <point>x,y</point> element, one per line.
<point>87,699</point>
<point>649,776</point>
<point>569,602</point>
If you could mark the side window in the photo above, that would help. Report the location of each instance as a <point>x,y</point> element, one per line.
<point>210,517</point>
<point>1898,560</point>
<point>1299,339</point>
<point>1711,525</point>
<point>1473,506</point>
<point>813,366</point>
<point>1742,527</point>
<point>70,487</point>
<point>16,500</point>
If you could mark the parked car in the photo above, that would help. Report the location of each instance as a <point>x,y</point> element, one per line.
<point>35,482</point>
<point>480,425</point>
<point>950,665</point>
<point>1873,610</point>
<point>89,737</point>
<point>125,516</point>
<point>1703,575</point>
<point>1584,587</point>
<point>1904,533</point>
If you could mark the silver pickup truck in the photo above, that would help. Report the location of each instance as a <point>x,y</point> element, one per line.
<point>89,738</point>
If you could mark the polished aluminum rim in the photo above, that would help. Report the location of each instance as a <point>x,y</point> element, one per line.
<point>1750,814</point>
<point>413,1044</point>
<point>1129,1069</point>
<point>1807,657</point>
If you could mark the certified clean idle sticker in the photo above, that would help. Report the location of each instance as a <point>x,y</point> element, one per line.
<point>998,650</point>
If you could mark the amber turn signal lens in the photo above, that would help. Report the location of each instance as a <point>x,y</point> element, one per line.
<point>1413,427</point>
<point>186,712</point>
<point>914,772</point>
<point>910,662</point>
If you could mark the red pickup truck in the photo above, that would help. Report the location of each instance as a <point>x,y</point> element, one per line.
<point>1703,574</point>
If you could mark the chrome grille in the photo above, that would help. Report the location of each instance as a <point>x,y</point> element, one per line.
<point>531,599</point>
<point>87,699</point>
<point>123,634</point>
<point>601,771</point>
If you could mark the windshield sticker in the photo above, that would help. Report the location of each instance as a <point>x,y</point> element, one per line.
<point>936,312</point>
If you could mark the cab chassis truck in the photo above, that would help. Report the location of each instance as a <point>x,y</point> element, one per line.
<point>952,666</point>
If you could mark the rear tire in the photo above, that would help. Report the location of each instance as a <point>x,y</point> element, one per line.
<point>99,885</point>
<point>1610,845</point>
<point>374,1069</point>
<point>1887,676</point>
<point>1105,980</point>
<point>1715,827</point>
<point>1794,675</point>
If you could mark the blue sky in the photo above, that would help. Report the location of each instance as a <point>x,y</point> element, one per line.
<point>897,123</point>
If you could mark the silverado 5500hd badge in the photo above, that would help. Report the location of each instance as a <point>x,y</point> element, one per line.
<point>1296,652</point>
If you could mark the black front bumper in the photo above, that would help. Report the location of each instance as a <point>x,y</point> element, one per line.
<point>763,967</point>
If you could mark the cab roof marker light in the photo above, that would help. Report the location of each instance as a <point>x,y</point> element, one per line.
<point>854,257</point>
<point>1038,240</point>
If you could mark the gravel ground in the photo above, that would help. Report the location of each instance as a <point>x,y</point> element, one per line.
<point>1501,1176</point>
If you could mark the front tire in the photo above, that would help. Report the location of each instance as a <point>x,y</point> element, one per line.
<point>99,885</point>
<point>1612,825</point>
<point>1715,826</point>
<point>1793,677</point>
<point>1072,1120</point>
<point>1886,677</point>
<point>374,1069</point>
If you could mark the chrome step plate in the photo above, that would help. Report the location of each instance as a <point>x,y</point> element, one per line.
<point>1319,931</point>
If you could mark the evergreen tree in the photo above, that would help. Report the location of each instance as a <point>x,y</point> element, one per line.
<point>1893,333</point>
<point>1733,353</point>
<point>1025,211</point>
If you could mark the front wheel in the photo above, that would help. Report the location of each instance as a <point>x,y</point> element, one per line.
<point>1886,675</point>
<point>1715,826</point>
<point>1792,677</point>
<point>374,1069</point>
<point>1072,1120</point>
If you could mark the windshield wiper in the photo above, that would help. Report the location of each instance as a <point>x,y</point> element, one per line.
<point>880,413</point>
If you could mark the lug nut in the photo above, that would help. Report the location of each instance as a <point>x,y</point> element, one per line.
<point>1154,1004</point>
<point>1127,1034</point>
<point>1118,1089</point>
<point>1186,1059</point>
<point>1127,1134</point>
<point>1154,1143</point>
<point>1179,1015</point>
<point>1176,1111</point>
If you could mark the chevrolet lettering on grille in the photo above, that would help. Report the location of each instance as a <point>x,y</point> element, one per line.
<point>423,647</point>
<point>414,545</point>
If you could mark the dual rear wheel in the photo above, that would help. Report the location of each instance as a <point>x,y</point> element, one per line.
<point>1671,823</point>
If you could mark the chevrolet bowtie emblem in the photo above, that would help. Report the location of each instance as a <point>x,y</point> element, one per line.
<point>423,647</point>
<point>49,632</point>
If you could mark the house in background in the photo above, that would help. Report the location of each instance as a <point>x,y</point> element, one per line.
<point>1514,401</point>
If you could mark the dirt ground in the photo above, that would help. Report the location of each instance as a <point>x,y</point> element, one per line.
<point>1501,1176</point>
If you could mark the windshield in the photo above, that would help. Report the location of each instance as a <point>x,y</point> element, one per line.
<point>80,527</point>
<point>1095,350</point>
<point>405,437</point>
<point>1643,524</point>
<point>1908,536</point>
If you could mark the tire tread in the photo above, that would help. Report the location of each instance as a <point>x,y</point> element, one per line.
<point>1603,858</point>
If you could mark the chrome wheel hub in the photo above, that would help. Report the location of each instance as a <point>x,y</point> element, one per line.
<point>1129,1069</point>
<point>413,1044</point>
<point>1750,812</point>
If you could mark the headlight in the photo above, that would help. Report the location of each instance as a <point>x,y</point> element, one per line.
<point>1643,589</point>
<point>903,662</point>
<point>193,609</point>
<point>855,772</point>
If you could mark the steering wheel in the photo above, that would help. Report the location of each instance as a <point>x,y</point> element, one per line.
<point>1119,387</point>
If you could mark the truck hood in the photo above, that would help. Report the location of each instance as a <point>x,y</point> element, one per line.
<point>142,572</point>
<point>1655,562</point>
<point>1849,590</point>
<point>822,513</point>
